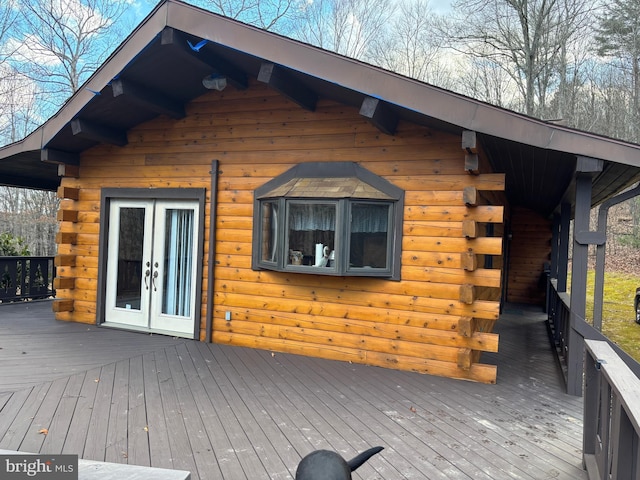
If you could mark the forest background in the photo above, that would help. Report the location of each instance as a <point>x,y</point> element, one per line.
<point>573,62</point>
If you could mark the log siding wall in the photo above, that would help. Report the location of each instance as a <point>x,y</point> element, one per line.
<point>436,320</point>
<point>529,250</point>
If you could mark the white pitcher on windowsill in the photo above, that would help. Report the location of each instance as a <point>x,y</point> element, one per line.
<point>322,255</point>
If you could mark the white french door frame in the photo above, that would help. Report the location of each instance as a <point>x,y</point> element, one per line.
<point>159,307</point>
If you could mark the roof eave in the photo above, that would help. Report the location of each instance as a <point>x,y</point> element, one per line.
<point>128,50</point>
<point>410,95</point>
<point>31,143</point>
<point>396,89</point>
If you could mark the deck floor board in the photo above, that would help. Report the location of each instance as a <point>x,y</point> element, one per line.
<point>116,448</point>
<point>10,409</point>
<point>78,428</point>
<point>137,425</point>
<point>46,412</point>
<point>182,455</point>
<point>197,436</point>
<point>22,422</point>
<point>156,428</point>
<point>227,463</point>
<point>61,422</point>
<point>231,413</point>
<point>101,413</point>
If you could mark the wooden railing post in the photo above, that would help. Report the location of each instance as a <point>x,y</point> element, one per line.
<point>590,415</point>
<point>581,240</point>
<point>611,438</point>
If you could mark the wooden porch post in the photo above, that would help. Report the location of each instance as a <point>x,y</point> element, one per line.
<point>553,267</point>
<point>598,289</point>
<point>581,239</point>
<point>563,250</point>
<point>555,246</point>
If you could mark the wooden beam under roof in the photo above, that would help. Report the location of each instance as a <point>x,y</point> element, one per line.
<point>98,133</point>
<point>203,56</point>
<point>29,181</point>
<point>469,141</point>
<point>50,155</point>
<point>148,99</point>
<point>283,82</point>
<point>379,113</point>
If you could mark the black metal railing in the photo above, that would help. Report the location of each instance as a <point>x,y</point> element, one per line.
<point>23,278</point>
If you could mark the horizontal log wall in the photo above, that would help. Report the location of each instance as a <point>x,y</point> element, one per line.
<point>419,323</point>
<point>530,248</point>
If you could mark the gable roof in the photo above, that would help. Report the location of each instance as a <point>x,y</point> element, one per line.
<point>155,71</point>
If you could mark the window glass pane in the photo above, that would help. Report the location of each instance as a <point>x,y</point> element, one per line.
<point>369,235</point>
<point>269,231</point>
<point>178,258</point>
<point>311,231</point>
<point>130,245</point>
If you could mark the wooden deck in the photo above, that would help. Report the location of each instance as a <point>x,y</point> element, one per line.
<point>235,413</point>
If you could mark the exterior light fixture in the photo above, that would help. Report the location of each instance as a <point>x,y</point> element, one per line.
<point>215,82</point>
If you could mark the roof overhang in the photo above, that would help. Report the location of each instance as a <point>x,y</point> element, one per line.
<point>155,71</point>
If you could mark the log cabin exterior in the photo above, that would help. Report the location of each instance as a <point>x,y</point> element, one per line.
<point>432,319</point>
<point>179,200</point>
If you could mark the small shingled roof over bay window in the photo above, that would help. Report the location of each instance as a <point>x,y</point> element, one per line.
<point>329,218</point>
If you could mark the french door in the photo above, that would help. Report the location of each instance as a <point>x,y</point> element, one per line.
<point>151,265</point>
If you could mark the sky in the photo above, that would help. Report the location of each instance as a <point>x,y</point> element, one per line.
<point>441,6</point>
<point>139,9</point>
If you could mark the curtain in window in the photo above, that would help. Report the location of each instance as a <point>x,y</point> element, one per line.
<point>369,218</point>
<point>312,217</point>
<point>178,257</point>
<point>365,217</point>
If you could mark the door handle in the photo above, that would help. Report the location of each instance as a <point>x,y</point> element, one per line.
<point>146,275</point>
<point>153,280</point>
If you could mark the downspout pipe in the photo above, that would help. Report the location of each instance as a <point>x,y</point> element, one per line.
<point>211,261</point>
<point>598,289</point>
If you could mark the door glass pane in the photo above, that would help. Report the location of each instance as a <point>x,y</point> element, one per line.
<point>178,260</point>
<point>130,245</point>
<point>311,229</point>
<point>368,245</point>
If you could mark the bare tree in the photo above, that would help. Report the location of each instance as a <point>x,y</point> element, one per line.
<point>8,15</point>
<point>64,41</point>
<point>18,105</point>
<point>267,14</point>
<point>523,37</point>
<point>618,39</point>
<point>486,80</point>
<point>348,27</point>
<point>410,47</point>
<point>30,215</point>
<point>50,50</point>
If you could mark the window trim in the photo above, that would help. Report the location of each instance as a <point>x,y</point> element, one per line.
<point>390,243</point>
<point>393,196</point>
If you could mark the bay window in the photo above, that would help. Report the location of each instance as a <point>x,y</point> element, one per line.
<point>330,219</point>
